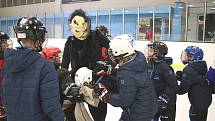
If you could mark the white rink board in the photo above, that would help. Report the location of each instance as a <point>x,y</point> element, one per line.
<point>175,49</point>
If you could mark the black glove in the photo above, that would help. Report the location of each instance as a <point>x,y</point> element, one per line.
<point>64,78</point>
<point>179,75</point>
<point>163,101</point>
<point>72,93</point>
<point>102,68</point>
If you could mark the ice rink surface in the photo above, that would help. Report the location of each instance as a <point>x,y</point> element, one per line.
<point>182,110</point>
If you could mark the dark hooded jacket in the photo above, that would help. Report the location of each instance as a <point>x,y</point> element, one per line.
<point>193,81</point>
<point>136,95</point>
<point>30,87</point>
<point>164,79</point>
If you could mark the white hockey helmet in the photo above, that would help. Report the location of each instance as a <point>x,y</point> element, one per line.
<point>83,75</point>
<point>121,45</point>
<point>126,37</point>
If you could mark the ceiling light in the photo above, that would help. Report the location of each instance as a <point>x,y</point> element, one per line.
<point>190,5</point>
<point>181,7</point>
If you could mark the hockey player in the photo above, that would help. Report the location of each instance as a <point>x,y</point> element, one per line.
<point>194,83</point>
<point>164,81</point>
<point>83,49</point>
<point>53,54</point>
<point>136,92</point>
<point>4,43</point>
<point>104,31</point>
<point>30,84</point>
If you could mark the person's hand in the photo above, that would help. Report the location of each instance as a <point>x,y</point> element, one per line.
<point>102,92</point>
<point>64,78</point>
<point>102,68</point>
<point>210,76</point>
<point>163,101</point>
<point>72,93</point>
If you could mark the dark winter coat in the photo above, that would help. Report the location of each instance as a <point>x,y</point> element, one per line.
<point>83,53</point>
<point>194,82</point>
<point>136,95</point>
<point>164,80</point>
<point>30,87</point>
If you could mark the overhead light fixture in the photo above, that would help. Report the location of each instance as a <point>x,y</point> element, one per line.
<point>181,7</point>
<point>190,5</point>
<point>213,2</point>
<point>212,8</point>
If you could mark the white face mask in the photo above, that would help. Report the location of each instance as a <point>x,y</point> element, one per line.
<point>79,27</point>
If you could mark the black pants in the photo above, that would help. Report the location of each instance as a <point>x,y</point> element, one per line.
<point>98,114</point>
<point>166,115</point>
<point>198,115</point>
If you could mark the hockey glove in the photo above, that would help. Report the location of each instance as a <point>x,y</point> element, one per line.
<point>64,78</point>
<point>102,92</point>
<point>211,75</point>
<point>102,68</point>
<point>72,93</point>
<point>179,75</point>
<point>163,101</point>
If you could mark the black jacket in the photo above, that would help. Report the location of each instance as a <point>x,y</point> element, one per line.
<point>164,79</point>
<point>194,82</point>
<point>83,53</point>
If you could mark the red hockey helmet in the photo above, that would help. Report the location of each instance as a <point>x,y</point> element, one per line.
<point>50,52</point>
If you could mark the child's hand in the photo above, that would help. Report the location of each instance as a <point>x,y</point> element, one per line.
<point>102,68</point>
<point>163,101</point>
<point>102,92</point>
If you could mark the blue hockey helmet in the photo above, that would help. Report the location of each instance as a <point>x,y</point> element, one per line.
<point>195,51</point>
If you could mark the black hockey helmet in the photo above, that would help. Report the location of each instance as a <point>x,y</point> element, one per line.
<point>3,36</point>
<point>160,48</point>
<point>30,28</point>
<point>5,41</point>
<point>103,29</point>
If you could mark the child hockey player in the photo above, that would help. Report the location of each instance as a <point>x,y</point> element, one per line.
<point>194,83</point>
<point>164,80</point>
<point>30,84</point>
<point>136,92</point>
<point>4,43</point>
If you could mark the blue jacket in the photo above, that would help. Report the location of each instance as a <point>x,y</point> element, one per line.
<point>195,83</point>
<point>30,87</point>
<point>136,95</point>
